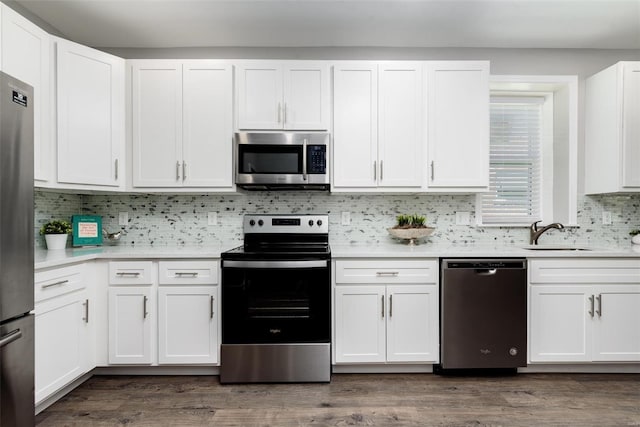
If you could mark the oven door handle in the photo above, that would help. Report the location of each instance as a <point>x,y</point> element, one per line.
<point>276,264</point>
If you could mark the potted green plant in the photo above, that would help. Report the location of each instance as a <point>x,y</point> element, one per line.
<point>635,236</point>
<point>410,227</point>
<point>55,233</point>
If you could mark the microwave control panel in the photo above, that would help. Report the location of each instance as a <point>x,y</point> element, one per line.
<point>316,159</point>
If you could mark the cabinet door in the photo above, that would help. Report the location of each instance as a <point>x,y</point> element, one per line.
<point>207,124</point>
<point>188,327</point>
<point>90,94</point>
<point>631,125</point>
<point>458,124</point>
<point>61,344</point>
<point>25,56</point>
<point>260,102</point>
<point>131,314</point>
<point>360,324</point>
<point>355,126</point>
<point>306,96</point>
<point>560,324</point>
<point>616,324</point>
<point>412,323</point>
<point>157,123</point>
<point>400,123</point>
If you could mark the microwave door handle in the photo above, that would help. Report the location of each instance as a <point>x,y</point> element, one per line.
<point>304,159</point>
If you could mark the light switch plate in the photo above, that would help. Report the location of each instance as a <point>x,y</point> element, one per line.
<point>463,218</point>
<point>346,218</point>
<point>606,218</point>
<point>212,218</point>
<point>123,218</point>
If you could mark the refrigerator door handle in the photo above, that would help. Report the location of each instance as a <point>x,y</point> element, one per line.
<point>10,337</point>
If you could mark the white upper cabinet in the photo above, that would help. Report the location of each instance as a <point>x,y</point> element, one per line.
<point>26,56</point>
<point>458,125</point>
<point>290,95</point>
<point>182,124</point>
<point>612,130</point>
<point>90,115</point>
<point>378,126</point>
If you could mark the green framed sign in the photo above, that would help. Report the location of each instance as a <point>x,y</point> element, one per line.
<point>87,230</point>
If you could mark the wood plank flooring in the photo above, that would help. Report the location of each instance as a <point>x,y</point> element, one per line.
<point>353,399</point>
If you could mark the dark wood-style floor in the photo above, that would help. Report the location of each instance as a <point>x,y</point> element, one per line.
<point>372,400</point>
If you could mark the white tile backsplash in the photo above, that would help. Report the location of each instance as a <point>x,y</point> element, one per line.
<point>182,219</point>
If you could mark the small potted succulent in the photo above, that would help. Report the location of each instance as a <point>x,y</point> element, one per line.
<point>635,236</point>
<point>55,233</point>
<point>410,227</point>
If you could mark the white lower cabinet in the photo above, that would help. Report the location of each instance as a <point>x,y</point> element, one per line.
<point>179,306</point>
<point>584,311</point>
<point>63,338</point>
<point>379,322</point>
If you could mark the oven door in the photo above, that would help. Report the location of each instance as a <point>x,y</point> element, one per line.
<point>267,302</point>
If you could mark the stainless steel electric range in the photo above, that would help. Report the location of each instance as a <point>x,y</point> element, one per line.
<point>276,301</point>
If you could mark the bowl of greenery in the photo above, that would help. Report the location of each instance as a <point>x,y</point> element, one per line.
<point>635,236</point>
<point>410,228</point>
<point>55,233</point>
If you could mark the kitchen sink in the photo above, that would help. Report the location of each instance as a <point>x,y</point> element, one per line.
<point>556,248</point>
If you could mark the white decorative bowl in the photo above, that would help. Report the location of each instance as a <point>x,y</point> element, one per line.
<point>56,241</point>
<point>411,234</point>
<point>635,239</point>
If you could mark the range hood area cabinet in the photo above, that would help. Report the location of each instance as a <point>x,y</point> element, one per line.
<point>411,126</point>
<point>283,95</point>
<point>612,132</point>
<point>181,114</point>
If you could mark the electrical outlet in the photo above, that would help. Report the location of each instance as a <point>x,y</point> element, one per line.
<point>463,218</point>
<point>212,218</point>
<point>346,218</point>
<point>606,218</point>
<point>123,218</point>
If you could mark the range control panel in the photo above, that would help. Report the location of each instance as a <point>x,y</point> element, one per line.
<point>279,224</point>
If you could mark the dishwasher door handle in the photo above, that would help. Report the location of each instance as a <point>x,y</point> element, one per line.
<point>486,271</point>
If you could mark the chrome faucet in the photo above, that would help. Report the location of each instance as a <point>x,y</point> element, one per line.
<point>535,233</point>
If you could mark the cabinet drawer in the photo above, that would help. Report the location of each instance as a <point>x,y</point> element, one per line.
<point>584,271</point>
<point>131,273</point>
<point>58,281</point>
<point>387,271</point>
<point>188,272</point>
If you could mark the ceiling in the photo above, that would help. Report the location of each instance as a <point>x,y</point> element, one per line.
<point>603,24</point>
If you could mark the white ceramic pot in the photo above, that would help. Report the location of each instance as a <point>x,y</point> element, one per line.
<point>635,239</point>
<point>56,241</point>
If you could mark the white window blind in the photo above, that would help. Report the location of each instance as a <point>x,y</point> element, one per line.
<point>515,161</point>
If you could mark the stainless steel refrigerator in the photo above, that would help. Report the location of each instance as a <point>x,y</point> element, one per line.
<point>16,254</point>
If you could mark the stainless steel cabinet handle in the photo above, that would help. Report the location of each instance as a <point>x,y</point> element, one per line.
<point>279,112</point>
<point>144,307</point>
<point>375,170</point>
<point>284,119</point>
<point>116,167</point>
<point>184,170</point>
<point>211,302</point>
<point>591,301</point>
<point>390,305</point>
<point>128,273</point>
<point>387,273</point>
<point>86,311</point>
<point>382,305</point>
<point>381,170</point>
<point>186,273</point>
<point>599,310</point>
<point>432,171</point>
<point>10,337</point>
<point>61,282</point>
<point>304,156</point>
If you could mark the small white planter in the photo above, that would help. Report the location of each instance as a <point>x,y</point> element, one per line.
<point>635,239</point>
<point>56,241</point>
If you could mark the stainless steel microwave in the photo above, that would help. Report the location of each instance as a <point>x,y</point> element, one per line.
<point>282,160</point>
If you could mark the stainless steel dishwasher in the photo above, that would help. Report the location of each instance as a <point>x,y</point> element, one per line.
<point>483,314</point>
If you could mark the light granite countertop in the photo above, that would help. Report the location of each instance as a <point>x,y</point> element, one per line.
<point>48,259</point>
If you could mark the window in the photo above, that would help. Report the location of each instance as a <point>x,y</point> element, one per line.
<point>515,161</point>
